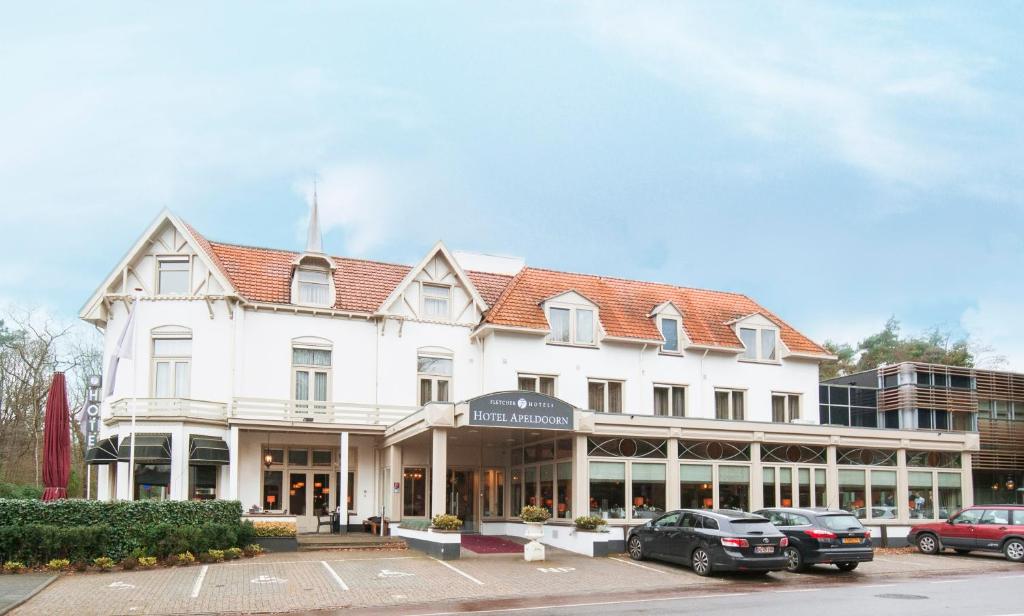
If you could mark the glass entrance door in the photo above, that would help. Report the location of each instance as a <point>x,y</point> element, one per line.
<point>460,499</point>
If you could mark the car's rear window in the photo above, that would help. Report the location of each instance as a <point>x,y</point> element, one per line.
<point>840,522</point>
<point>753,525</point>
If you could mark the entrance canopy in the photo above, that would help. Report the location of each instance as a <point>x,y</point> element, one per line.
<point>205,450</point>
<point>151,449</point>
<point>103,452</point>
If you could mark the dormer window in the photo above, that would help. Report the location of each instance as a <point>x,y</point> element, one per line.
<point>436,301</point>
<point>314,287</point>
<point>670,332</point>
<point>172,276</point>
<point>572,325</point>
<point>759,344</point>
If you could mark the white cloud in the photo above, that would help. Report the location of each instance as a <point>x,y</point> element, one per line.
<point>855,85</point>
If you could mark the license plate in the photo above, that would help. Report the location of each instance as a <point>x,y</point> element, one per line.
<point>851,540</point>
<point>764,549</point>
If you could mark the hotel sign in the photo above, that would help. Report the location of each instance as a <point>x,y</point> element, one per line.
<point>520,409</point>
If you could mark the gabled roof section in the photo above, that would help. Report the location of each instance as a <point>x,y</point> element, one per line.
<point>439,248</point>
<point>626,308</point>
<point>198,244</point>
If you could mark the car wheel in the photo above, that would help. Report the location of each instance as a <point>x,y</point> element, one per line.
<point>846,566</point>
<point>928,544</point>
<point>1014,550</point>
<point>701,562</point>
<point>961,551</point>
<point>794,561</point>
<point>636,551</point>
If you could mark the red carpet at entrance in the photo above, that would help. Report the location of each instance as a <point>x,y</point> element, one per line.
<point>487,544</point>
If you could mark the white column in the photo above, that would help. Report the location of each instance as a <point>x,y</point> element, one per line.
<point>438,470</point>
<point>233,463</point>
<point>832,475</point>
<point>342,487</point>
<point>756,477</point>
<point>179,464</point>
<point>580,479</point>
<point>967,481</point>
<point>394,497</point>
<point>672,476</point>
<point>902,486</point>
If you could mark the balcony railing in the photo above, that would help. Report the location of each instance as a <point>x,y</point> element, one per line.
<point>318,412</point>
<point>169,407</point>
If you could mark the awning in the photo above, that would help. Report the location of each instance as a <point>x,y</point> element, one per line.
<point>207,450</point>
<point>103,452</point>
<point>151,449</point>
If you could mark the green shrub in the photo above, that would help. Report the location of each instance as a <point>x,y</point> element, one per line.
<point>216,555</point>
<point>233,553</point>
<point>128,563</point>
<point>532,513</point>
<point>36,543</point>
<point>445,521</point>
<point>21,492</point>
<point>253,549</point>
<point>58,564</point>
<point>415,524</point>
<point>125,521</point>
<point>185,558</point>
<point>147,562</point>
<point>590,522</point>
<point>274,529</point>
<point>14,566</point>
<point>105,563</point>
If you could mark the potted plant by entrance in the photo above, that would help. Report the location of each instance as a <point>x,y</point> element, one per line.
<point>534,517</point>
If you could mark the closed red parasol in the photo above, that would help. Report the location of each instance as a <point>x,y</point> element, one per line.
<point>56,441</point>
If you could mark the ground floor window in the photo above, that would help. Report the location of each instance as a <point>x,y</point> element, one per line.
<point>851,492</point>
<point>547,488</point>
<point>608,490</point>
<point>152,481</point>
<point>350,497</point>
<point>921,495</point>
<point>648,490</point>
<point>820,488</point>
<point>494,492</point>
<point>564,509</point>
<point>414,491</point>
<point>297,494</point>
<point>734,487</point>
<point>883,495</point>
<point>768,487</point>
<point>950,498</point>
<point>321,493</point>
<point>272,483</point>
<point>696,487</point>
<point>202,482</point>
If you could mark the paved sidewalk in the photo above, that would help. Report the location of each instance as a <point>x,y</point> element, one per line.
<point>17,588</point>
<point>411,582</point>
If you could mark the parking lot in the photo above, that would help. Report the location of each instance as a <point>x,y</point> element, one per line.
<point>414,583</point>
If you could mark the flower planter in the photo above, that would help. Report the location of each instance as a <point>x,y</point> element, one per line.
<point>277,544</point>
<point>534,550</point>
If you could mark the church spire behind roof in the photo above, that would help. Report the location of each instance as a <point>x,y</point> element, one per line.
<point>314,241</point>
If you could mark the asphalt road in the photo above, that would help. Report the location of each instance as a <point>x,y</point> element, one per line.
<point>993,594</point>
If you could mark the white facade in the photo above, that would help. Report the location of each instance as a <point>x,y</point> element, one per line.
<point>241,383</point>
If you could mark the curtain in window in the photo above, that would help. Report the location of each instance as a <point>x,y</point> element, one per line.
<point>320,386</point>
<point>302,385</point>
<point>614,397</point>
<point>559,324</point>
<point>181,379</point>
<point>585,326</point>
<point>779,409</point>
<point>768,344</point>
<point>547,385</point>
<point>311,357</point>
<point>435,301</point>
<point>794,407</point>
<point>442,390</point>
<point>678,402</point>
<point>425,391</point>
<point>737,405</point>
<point>172,347</point>
<point>527,383</point>
<point>661,401</point>
<point>721,405</point>
<point>670,330</point>
<point>163,380</point>
<point>595,396</point>
<point>310,293</point>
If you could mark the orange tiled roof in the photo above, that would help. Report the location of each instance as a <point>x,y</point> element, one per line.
<point>624,306</point>
<point>264,275</point>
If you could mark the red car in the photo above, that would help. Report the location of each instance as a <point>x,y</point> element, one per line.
<point>989,528</point>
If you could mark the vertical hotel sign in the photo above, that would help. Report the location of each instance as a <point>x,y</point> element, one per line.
<point>91,414</point>
<point>520,409</point>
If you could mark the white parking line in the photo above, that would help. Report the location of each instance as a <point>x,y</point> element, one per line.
<point>626,562</point>
<point>800,590</point>
<point>879,586</point>
<point>199,581</point>
<point>302,562</point>
<point>594,604</point>
<point>950,581</point>
<point>459,571</point>
<point>334,574</point>
<point>1010,577</point>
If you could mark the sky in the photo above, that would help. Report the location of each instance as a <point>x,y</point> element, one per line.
<point>838,162</point>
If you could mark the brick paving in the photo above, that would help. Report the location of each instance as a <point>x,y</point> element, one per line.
<point>354,579</point>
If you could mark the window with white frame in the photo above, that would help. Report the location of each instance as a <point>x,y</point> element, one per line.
<point>540,383</point>
<point>314,286</point>
<point>434,376</point>
<point>759,343</point>
<point>670,332</point>
<point>172,367</point>
<point>172,276</point>
<point>785,407</point>
<point>311,376</point>
<point>571,325</point>
<point>436,301</point>
<point>604,396</point>
<point>729,404</point>
<point>670,401</point>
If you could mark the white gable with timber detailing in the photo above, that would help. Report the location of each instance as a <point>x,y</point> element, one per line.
<point>438,276</point>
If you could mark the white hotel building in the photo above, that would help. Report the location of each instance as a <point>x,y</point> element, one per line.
<point>287,380</point>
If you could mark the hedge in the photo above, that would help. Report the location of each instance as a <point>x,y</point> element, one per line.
<point>125,522</point>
